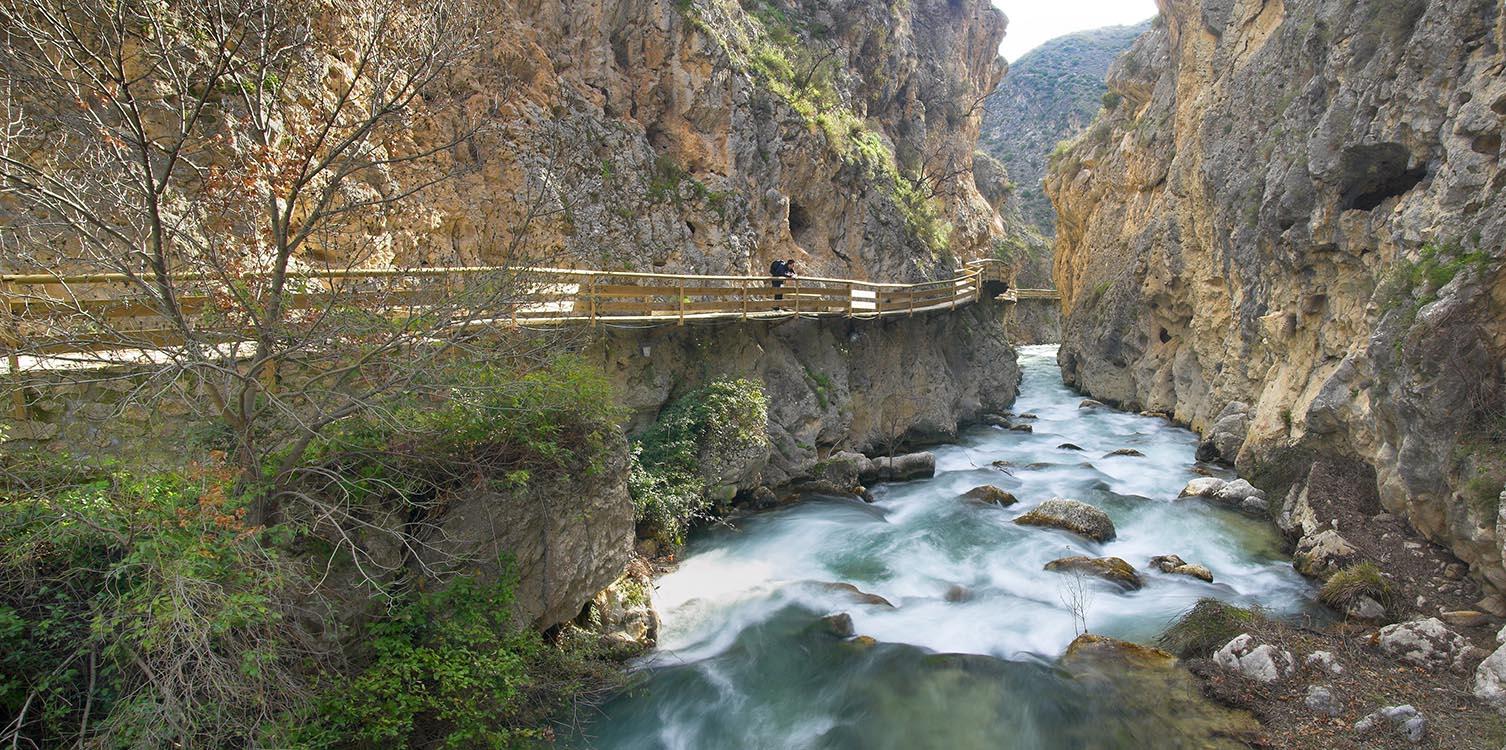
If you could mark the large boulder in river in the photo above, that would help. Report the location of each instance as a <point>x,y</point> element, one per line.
<point>1071,515</point>
<point>920,465</point>
<point>990,495</point>
<point>1101,648</point>
<point>1227,434</point>
<point>1112,569</point>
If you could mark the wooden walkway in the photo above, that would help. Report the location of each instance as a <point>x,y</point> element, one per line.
<point>48,316</point>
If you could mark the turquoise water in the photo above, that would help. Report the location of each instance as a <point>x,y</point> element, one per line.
<point>744,661</point>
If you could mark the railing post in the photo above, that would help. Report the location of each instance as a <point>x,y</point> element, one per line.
<point>911,292</point>
<point>10,334</point>
<point>682,301</point>
<point>742,286</point>
<point>592,299</point>
<point>796,282</point>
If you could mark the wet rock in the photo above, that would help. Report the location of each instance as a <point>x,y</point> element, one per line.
<point>864,641</point>
<point>1260,662</point>
<point>1405,719</point>
<point>1028,415</point>
<point>1235,492</point>
<point>1324,661</point>
<point>838,624</point>
<point>1177,566</point>
<point>1366,608</point>
<point>1071,515</point>
<point>1320,700</point>
<point>1112,569</point>
<point>1069,447</point>
<point>1255,506</point>
<point>990,495</point>
<point>1205,487</point>
<point>997,420</point>
<point>1426,642</point>
<point>1124,452</point>
<point>919,465</point>
<point>1323,554</point>
<point>856,593</point>
<point>1464,618</point>
<point>957,593</point>
<point>1490,680</point>
<point>1021,428</point>
<point>1101,648</point>
<point>1089,403</point>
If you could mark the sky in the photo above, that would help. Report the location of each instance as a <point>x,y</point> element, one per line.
<point>1032,22</point>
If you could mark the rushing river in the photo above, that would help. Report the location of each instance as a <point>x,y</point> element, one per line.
<point>745,662</point>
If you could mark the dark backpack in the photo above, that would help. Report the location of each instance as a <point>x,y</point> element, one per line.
<point>778,268</point>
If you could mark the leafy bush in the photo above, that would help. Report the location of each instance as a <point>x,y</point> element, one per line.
<point>141,612</point>
<point>444,669</point>
<point>1205,628</point>
<point>1346,587</point>
<point>497,429</point>
<point>666,481</point>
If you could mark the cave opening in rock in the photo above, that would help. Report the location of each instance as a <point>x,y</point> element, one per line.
<point>800,224</point>
<point>1371,174</point>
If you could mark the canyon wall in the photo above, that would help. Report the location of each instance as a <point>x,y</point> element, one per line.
<point>1287,231</point>
<point>713,136</point>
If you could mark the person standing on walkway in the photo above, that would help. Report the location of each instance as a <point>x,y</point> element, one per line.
<point>781,270</point>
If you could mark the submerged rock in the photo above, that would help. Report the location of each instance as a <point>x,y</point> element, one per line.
<point>1069,447</point>
<point>1089,403</point>
<point>957,593</point>
<point>1071,515</point>
<point>990,495</point>
<point>1261,662</point>
<point>856,593</point>
<point>1112,569</point>
<point>1021,428</point>
<point>1131,452</point>
<point>838,624</point>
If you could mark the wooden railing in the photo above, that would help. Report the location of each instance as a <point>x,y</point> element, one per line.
<point>46,313</point>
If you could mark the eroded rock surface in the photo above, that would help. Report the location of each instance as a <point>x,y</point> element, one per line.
<point>1288,233</point>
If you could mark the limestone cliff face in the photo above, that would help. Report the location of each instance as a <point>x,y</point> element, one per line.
<point>1289,234</point>
<point>833,385</point>
<point>712,136</point>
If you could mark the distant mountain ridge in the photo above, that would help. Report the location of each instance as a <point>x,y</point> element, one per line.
<point>1049,95</point>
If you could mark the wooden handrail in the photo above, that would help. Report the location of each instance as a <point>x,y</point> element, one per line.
<point>546,296</point>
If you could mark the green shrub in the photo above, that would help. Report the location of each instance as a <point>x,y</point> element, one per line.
<point>668,488</point>
<point>1346,587</point>
<point>141,612</point>
<point>1205,628</point>
<point>497,429</point>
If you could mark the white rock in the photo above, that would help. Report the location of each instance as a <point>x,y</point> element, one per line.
<point>1320,699</point>
<point>1405,719</point>
<point>1427,642</point>
<point>1263,662</point>
<point>1490,680</point>
<point>1203,487</point>
<point>1237,490</point>
<point>1324,660</point>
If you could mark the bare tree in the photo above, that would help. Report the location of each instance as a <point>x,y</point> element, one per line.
<point>238,181</point>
